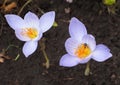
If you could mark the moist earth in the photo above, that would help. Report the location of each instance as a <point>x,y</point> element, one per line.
<point>99,22</point>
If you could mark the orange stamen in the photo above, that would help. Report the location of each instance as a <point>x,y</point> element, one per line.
<point>29,32</point>
<point>83,51</point>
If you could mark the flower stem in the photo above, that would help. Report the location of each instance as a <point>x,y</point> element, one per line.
<point>46,58</point>
<point>111,9</point>
<point>17,57</point>
<point>42,44</point>
<point>11,45</point>
<point>87,70</point>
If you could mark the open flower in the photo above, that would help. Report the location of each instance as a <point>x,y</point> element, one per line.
<point>30,29</point>
<point>81,47</point>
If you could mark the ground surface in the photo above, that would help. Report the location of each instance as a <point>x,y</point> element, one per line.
<point>30,71</point>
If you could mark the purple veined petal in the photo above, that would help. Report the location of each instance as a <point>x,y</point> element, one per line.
<point>90,41</point>
<point>29,48</point>
<point>101,53</point>
<point>102,46</point>
<point>14,21</point>
<point>77,29</point>
<point>32,21</point>
<point>71,45</point>
<point>69,61</point>
<point>47,20</point>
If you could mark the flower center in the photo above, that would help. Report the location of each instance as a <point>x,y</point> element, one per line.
<point>30,32</point>
<point>83,51</point>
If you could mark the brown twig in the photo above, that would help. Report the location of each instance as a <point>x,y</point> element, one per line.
<point>24,6</point>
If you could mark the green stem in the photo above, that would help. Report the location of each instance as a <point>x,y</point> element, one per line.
<point>41,10</point>
<point>87,70</point>
<point>17,57</point>
<point>10,46</point>
<point>42,45</point>
<point>47,64</point>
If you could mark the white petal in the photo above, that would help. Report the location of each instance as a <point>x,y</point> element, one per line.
<point>18,33</point>
<point>90,41</point>
<point>29,48</point>
<point>77,29</point>
<point>14,21</point>
<point>69,61</point>
<point>47,20</point>
<point>71,45</point>
<point>38,37</point>
<point>102,46</point>
<point>101,53</point>
<point>85,60</point>
<point>31,20</point>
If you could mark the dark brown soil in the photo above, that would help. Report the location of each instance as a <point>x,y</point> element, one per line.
<point>30,71</point>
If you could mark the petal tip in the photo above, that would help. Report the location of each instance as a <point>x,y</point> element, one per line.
<point>110,55</point>
<point>26,54</point>
<point>52,14</point>
<point>60,64</point>
<point>29,12</point>
<point>74,18</point>
<point>7,16</point>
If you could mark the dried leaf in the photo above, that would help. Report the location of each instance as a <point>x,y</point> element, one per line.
<point>1,60</point>
<point>10,6</point>
<point>7,57</point>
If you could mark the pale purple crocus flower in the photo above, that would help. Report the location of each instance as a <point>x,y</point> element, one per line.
<point>81,47</point>
<point>30,29</point>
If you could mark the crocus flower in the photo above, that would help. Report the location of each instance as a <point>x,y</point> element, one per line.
<point>81,47</point>
<point>30,29</point>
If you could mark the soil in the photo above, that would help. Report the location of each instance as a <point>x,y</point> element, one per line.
<point>31,71</point>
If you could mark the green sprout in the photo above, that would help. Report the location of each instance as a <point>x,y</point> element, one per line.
<point>111,5</point>
<point>109,2</point>
<point>55,24</point>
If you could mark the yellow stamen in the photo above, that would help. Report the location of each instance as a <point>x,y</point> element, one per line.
<point>83,51</point>
<point>30,32</point>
